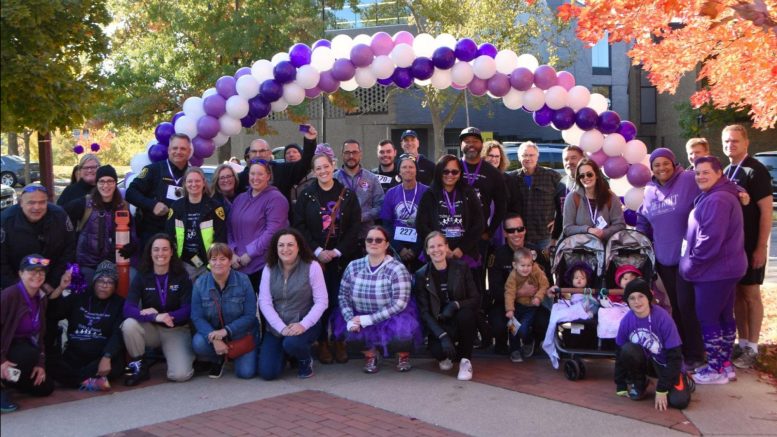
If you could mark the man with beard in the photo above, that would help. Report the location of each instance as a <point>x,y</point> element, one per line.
<point>387,171</point>
<point>362,182</point>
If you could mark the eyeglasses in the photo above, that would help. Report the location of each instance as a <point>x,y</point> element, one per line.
<point>226,177</point>
<point>105,281</point>
<point>587,175</point>
<point>108,182</point>
<point>405,156</point>
<point>494,156</point>
<point>35,261</point>
<point>349,153</point>
<point>514,230</point>
<point>90,168</point>
<point>37,272</point>
<point>453,172</point>
<point>260,151</point>
<point>374,240</point>
<point>34,188</point>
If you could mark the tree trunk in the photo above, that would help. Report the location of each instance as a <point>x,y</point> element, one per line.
<point>46,162</point>
<point>224,152</point>
<point>13,143</point>
<point>26,138</point>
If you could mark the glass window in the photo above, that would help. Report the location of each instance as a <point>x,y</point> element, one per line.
<point>600,56</point>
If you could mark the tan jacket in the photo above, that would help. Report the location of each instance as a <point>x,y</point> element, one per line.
<point>514,283</point>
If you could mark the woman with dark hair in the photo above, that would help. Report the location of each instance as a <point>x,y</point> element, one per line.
<point>196,221</point>
<point>448,301</point>
<point>224,309</point>
<point>253,219</point>
<point>376,310</point>
<point>224,185</point>
<point>329,217</point>
<point>452,207</point>
<point>292,298</point>
<point>157,312</point>
<point>592,208</point>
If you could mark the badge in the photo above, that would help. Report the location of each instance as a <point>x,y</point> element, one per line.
<point>169,213</point>
<point>143,173</point>
<point>196,261</point>
<point>220,213</point>
<point>601,223</point>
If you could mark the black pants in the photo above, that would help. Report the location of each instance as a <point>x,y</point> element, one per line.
<point>72,369</point>
<point>682,298</point>
<point>26,355</point>
<point>461,329</point>
<point>333,274</point>
<point>631,367</point>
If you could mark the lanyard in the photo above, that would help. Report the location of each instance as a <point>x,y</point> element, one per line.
<point>162,290</point>
<point>409,206</point>
<point>471,177</point>
<point>736,170</point>
<point>450,203</point>
<point>592,212</point>
<point>352,182</point>
<point>36,318</point>
<point>170,169</point>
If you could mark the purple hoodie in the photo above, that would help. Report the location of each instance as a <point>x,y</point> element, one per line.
<point>716,236</point>
<point>251,223</point>
<point>663,215</point>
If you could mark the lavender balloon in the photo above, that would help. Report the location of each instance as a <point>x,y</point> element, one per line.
<point>543,116</point>
<point>361,55</point>
<point>225,86</point>
<point>248,121</point>
<point>258,108</point>
<point>586,118</point>
<point>381,44</point>
<point>545,77</point>
<point>521,79</point>
<point>403,36</point>
<point>487,49</point>
<point>615,167</point>
<point>608,122</point>
<point>565,79</point>
<point>563,118</point>
<point>443,58</point>
<point>322,43</point>
<point>422,68</point>
<point>627,130</point>
<point>402,77</point>
<point>599,157</point>
<point>270,90</point>
<point>499,85</point>
<point>477,86</point>
<point>208,127</point>
<point>312,93</point>
<point>299,55</point>
<point>214,105</point>
<point>466,50</point>
<point>242,72</point>
<point>327,83</point>
<point>196,161</point>
<point>638,175</point>
<point>176,117</point>
<point>203,147</point>
<point>284,72</point>
<point>157,152</point>
<point>163,132</point>
<point>343,70</point>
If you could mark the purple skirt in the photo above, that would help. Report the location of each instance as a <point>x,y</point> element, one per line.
<point>403,327</point>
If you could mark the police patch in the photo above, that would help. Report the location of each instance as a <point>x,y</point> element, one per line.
<point>143,173</point>
<point>220,213</point>
<point>169,213</point>
<point>68,224</point>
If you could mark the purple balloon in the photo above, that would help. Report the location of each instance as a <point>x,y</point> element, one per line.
<point>466,50</point>
<point>599,157</point>
<point>615,167</point>
<point>327,83</point>
<point>543,116</point>
<point>343,70</point>
<point>586,118</point>
<point>521,79</point>
<point>95,147</point>
<point>405,37</point>
<point>208,127</point>
<point>163,132</point>
<point>203,147</point>
<point>627,130</point>
<point>214,105</point>
<point>566,79</point>
<point>638,175</point>
<point>499,84</point>
<point>248,121</point>
<point>242,72</point>
<point>564,118</point>
<point>284,72</point>
<point>608,122</point>
<point>386,82</point>
<point>545,77</point>
<point>402,77</point>
<point>176,117</point>
<point>477,86</point>
<point>422,68</point>
<point>270,90</point>
<point>322,43</point>
<point>225,86</point>
<point>312,93</point>
<point>630,217</point>
<point>299,55</point>
<point>123,190</point>
<point>381,44</point>
<point>78,149</point>
<point>157,152</point>
<point>196,161</point>
<point>487,49</point>
<point>258,108</point>
<point>361,55</point>
<point>443,58</point>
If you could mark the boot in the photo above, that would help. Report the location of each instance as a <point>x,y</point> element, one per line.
<point>324,353</point>
<point>341,354</point>
<point>139,372</point>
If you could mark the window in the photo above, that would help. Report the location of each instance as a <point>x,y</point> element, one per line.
<point>600,56</point>
<point>647,100</point>
<point>368,13</point>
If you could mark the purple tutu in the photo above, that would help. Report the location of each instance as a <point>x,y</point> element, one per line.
<point>403,327</point>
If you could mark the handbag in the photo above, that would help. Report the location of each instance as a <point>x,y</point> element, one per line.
<point>239,347</point>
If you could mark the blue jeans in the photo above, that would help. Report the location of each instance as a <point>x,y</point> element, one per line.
<point>245,365</point>
<point>524,315</point>
<point>272,358</point>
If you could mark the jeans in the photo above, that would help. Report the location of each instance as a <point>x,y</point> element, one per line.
<point>272,357</point>
<point>524,315</point>
<point>245,365</point>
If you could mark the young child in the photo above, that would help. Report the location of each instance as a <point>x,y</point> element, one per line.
<point>579,275</point>
<point>525,286</point>
<point>623,275</point>
<point>648,343</point>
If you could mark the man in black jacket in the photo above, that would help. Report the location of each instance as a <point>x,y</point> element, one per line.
<point>410,144</point>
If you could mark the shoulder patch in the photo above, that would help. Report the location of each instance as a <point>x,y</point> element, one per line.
<point>143,173</point>
<point>220,213</point>
<point>2,235</point>
<point>68,224</point>
<point>169,213</point>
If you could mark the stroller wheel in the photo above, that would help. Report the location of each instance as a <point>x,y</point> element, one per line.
<point>581,367</point>
<point>572,370</point>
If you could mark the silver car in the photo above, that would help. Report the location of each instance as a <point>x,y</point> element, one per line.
<point>12,171</point>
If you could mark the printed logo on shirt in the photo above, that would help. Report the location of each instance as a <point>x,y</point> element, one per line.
<point>663,206</point>
<point>406,213</point>
<point>364,185</point>
<point>647,339</point>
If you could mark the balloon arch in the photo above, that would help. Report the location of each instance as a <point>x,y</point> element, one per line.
<point>551,97</point>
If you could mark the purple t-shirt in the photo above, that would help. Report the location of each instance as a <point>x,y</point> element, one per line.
<point>400,206</point>
<point>655,333</point>
<point>29,323</point>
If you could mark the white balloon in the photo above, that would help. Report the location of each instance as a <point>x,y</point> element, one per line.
<point>528,61</point>
<point>349,85</point>
<point>279,105</point>
<point>186,125</point>
<point>293,93</point>
<point>308,76</point>
<point>402,55</point>
<point>506,61</point>
<point>362,39</point>
<point>591,141</point>
<point>247,87</point>
<point>278,58</point>
<point>424,82</point>
<point>572,135</point>
<point>446,40</point>
<point>620,186</point>
<point>635,152</point>
<point>220,139</point>
<point>230,126</point>
<point>441,79</point>
<point>193,107</point>
<point>262,70</point>
<point>556,97</point>
<point>365,77</point>
<point>209,92</point>
<point>462,73</point>
<point>237,107</point>
<point>322,58</point>
<point>382,67</point>
<point>598,103</point>
<point>533,99</point>
<point>139,161</point>
<point>513,99</point>
<point>341,46</point>
<point>634,197</point>
<point>578,97</point>
<point>484,67</point>
<point>150,143</point>
<point>614,145</point>
<point>424,45</point>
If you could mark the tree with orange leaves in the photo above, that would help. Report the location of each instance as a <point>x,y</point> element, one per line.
<point>733,41</point>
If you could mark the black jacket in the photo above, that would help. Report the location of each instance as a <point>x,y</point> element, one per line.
<point>500,264</point>
<point>461,287</point>
<point>150,187</point>
<point>424,170</point>
<point>285,174</point>
<point>428,218</point>
<point>74,191</point>
<point>93,325</point>
<point>53,237</point>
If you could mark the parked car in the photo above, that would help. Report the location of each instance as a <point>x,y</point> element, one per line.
<point>7,196</point>
<point>12,171</point>
<point>769,160</point>
<point>550,156</point>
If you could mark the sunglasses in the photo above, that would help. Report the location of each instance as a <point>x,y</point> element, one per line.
<point>587,175</point>
<point>514,230</point>
<point>259,161</point>
<point>453,172</point>
<point>374,240</point>
<point>34,188</point>
<point>405,156</point>
<point>39,261</point>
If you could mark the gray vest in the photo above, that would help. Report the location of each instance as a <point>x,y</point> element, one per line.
<point>292,298</point>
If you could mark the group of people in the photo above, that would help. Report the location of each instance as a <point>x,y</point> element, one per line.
<point>263,265</point>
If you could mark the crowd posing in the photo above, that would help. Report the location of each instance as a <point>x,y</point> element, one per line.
<point>289,261</point>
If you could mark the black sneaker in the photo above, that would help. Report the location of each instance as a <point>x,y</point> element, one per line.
<point>305,369</point>
<point>6,404</point>
<point>527,349</point>
<point>139,373</point>
<point>216,369</point>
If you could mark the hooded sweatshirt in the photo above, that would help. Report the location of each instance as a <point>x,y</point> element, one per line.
<point>251,223</point>
<point>715,240</point>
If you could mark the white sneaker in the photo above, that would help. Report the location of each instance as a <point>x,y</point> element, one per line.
<point>446,365</point>
<point>709,376</point>
<point>465,370</point>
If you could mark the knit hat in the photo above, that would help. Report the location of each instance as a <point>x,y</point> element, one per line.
<point>291,146</point>
<point>626,268</point>
<point>638,285</point>
<point>570,273</point>
<point>107,170</point>
<point>662,152</point>
<point>107,269</point>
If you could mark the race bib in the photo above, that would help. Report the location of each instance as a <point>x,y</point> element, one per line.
<point>383,179</point>
<point>402,233</point>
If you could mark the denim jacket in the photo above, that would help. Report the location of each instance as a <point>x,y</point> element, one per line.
<point>237,300</point>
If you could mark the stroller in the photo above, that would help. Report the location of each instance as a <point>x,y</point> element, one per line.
<point>629,247</point>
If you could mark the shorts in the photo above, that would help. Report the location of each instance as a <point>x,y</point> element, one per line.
<point>753,276</point>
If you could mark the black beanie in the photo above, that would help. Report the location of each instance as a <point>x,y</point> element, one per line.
<point>638,285</point>
<point>291,146</point>
<point>107,170</point>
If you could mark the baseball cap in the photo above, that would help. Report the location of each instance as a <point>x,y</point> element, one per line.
<point>409,133</point>
<point>470,131</point>
<point>34,261</point>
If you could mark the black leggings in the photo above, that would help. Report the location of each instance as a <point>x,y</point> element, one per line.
<point>461,329</point>
<point>26,357</point>
<point>631,364</point>
<point>71,369</point>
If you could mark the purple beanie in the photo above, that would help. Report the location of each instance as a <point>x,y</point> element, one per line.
<point>662,152</point>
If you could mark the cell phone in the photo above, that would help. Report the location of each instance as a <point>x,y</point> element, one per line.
<point>14,374</point>
<point>304,128</point>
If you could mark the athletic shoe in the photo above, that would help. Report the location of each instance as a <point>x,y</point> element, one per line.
<point>446,365</point>
<point>737,351</point>
<point>747,359</point>
<point>516,356</point>
<point>305,369</point>
<point>730,372</point>
<point>95,384</point>
<point>709,376</point>
<point>216,369</point>
<point>637,392</point>
<point>403,363</point>
<point>527,350</point>
<point>621,390</point>
<point>694,366</point>
<point>465,370</point>
<point>6,404</point>
<point>139,373</point>
<point>371,364</point>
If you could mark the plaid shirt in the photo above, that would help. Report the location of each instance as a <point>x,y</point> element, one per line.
<point>538,202</point>
<point>380,295</point>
